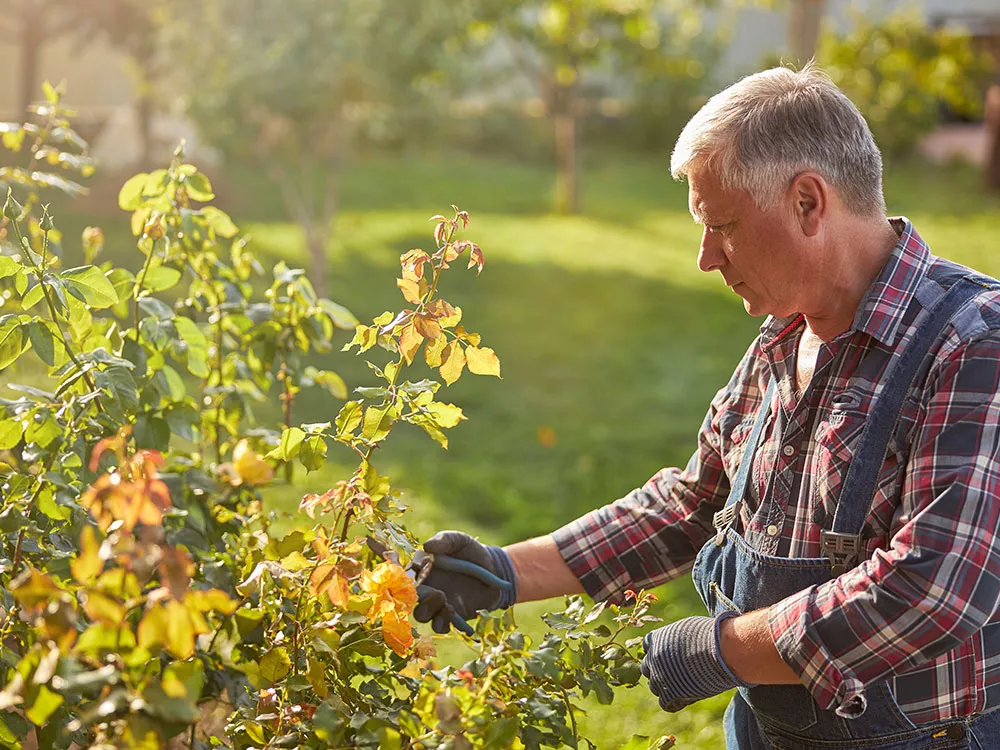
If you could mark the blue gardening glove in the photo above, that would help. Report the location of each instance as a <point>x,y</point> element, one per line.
<point>683,662</point>
<point>445,594</point>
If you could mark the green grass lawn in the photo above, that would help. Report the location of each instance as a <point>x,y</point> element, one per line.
<point>608,335</point>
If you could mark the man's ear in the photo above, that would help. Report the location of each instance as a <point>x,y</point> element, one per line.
<point>810,196</point>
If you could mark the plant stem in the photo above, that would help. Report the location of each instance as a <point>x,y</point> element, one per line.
<point>39,274</point>
<point>138,291</point>
<point>572,716</point>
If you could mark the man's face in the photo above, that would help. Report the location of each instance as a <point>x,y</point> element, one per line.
<point>757,252</point>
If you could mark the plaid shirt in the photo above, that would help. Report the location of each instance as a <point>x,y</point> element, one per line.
<point>923,610</point>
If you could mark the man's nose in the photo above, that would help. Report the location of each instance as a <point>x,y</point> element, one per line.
<point>710,255</point>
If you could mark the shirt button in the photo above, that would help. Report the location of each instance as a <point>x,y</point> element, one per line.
<point>772,530</point>
<point>788,450</point>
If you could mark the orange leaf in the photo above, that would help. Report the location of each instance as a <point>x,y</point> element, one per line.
<point>327,578</point>
<point>427,326</point>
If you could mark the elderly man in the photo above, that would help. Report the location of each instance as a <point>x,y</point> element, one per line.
<point>840,515</point>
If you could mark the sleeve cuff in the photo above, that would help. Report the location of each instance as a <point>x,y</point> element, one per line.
<point>800,647</point>
<point>602,575</point>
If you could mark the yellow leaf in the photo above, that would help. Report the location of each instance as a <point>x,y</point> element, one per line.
<point>445,415</point>
<point>210,600</point>
<point>409,343</point>
<point>482,361</point>
<point>432,352</point>
<point>452,362</point>
<point>102,608</point>
<point>153,627</point>
<point>88,563</point>
<point>317,678</point>
<point>410,290</point>
<point>179,638</point>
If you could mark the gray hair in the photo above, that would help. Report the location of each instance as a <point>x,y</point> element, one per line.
<point>763,130</point>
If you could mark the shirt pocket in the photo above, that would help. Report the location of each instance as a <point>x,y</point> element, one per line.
<point>836,439</point>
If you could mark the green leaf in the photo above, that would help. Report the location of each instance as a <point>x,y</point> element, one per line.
<point>275,665</point>
<point>152,432</point>
<point>501,733</point>
<point>377,423</point>
<point>332,383</point>
<point>118,382</point>
<point>288,447</point>
<point>313,453</point>
<point>349,418</point>
<point>156,308</point>
<point>197,345</point>
<point>7,737</point>
<point>51,95</point>
<point>220,222</point>
<point>12,342</point>
<point>160,278</point>
<point>130,196</point>
<point>45,704</point>
<point>8,266</point>
<point>89,284</point>
<point>198,187</point>
<point>42,341</point>
<point>10,433</point>
<point>123,282</point>
<point>35,295</point>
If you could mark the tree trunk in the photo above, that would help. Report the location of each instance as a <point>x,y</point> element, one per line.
<point>567,200</point>
<point>804,18</point>
<point>992,118</point>
<point>32,38</point>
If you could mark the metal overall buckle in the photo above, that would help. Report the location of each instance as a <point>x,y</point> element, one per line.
<point>841,549</point>
<point>722,520</point>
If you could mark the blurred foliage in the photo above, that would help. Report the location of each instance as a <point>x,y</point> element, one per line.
<point>296,85</point>
<point>900,73</point>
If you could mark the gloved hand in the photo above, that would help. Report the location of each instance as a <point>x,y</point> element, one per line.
<point>683,662</point>
<point>451,593</point>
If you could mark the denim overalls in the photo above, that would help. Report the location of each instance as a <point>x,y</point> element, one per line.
<point>730,575</point>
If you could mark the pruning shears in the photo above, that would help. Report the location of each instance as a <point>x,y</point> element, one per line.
<point>422,564</point>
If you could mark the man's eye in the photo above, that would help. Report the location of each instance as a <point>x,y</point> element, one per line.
<point>715,227</point>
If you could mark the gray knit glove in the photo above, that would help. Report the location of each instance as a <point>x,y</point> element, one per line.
<point>683,662</point>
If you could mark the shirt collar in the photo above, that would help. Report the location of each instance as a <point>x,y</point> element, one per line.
<point>880,313</point>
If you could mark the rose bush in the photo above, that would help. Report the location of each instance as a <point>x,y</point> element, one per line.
<point>147,596</point>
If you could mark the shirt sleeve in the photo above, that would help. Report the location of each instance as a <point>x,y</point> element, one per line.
<point>653,534</point>
<point>938,581</point>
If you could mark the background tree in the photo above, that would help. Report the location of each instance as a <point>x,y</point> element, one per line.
<point>804,20</point>
<point>33,24</point>
<point>131,27</point>
<point>565,47</point>
<point>299,85</point>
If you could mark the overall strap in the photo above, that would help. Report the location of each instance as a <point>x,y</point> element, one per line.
<point>843,543</point>
<point>724,519</point>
